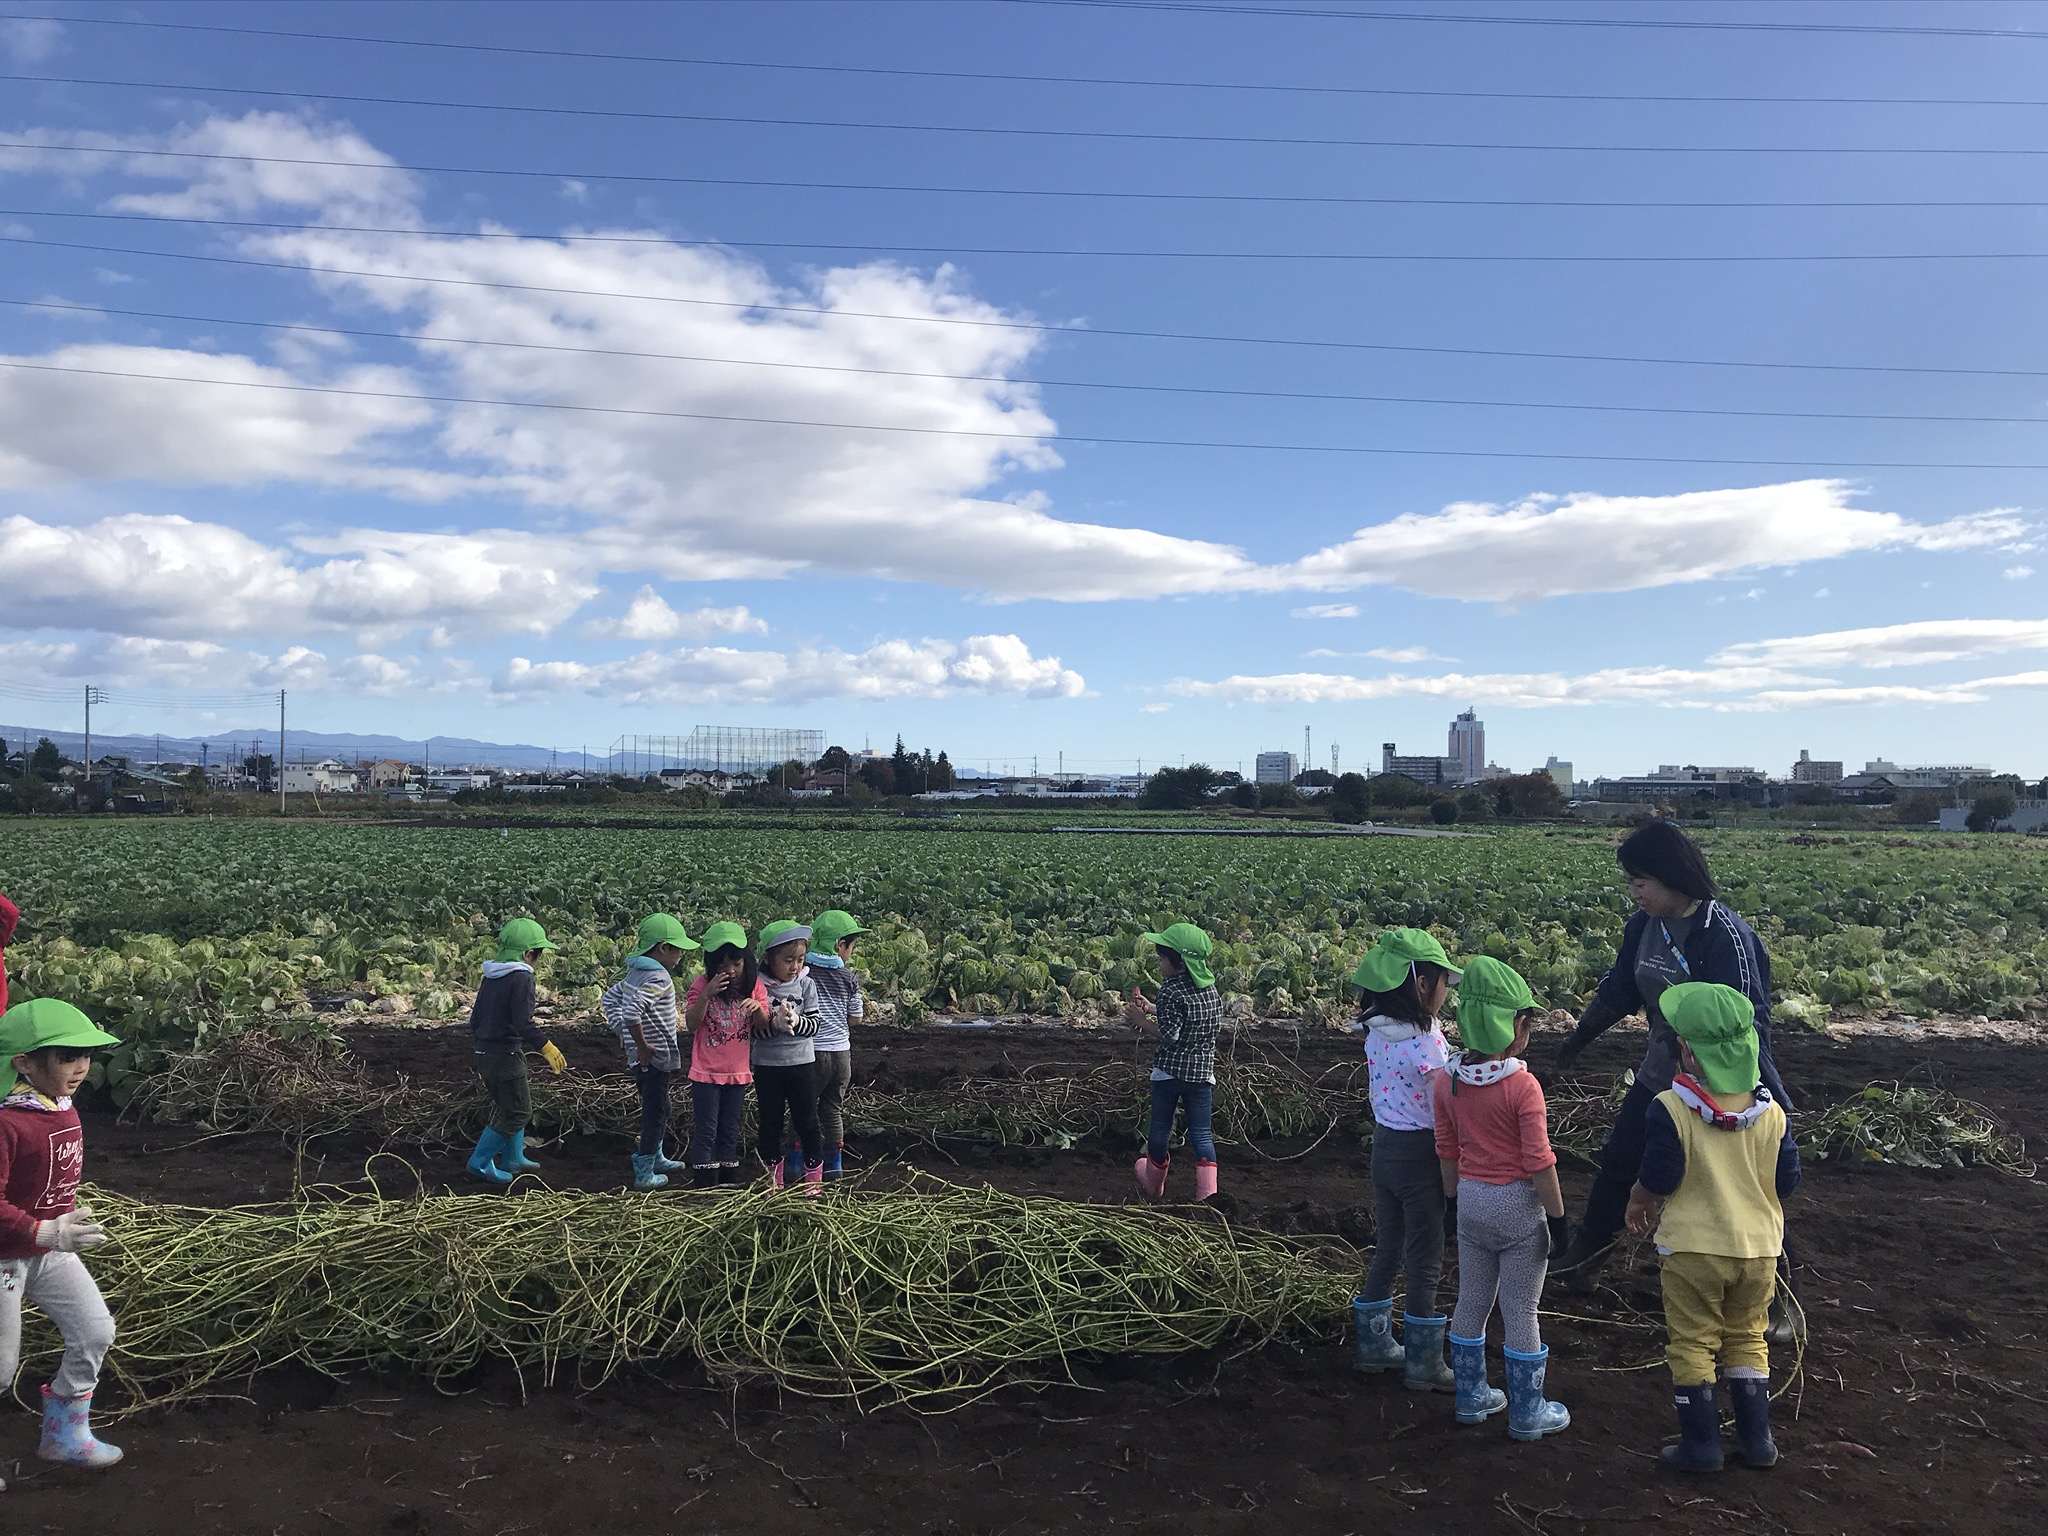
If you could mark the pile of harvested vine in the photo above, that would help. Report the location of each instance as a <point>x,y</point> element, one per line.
<point>1916,1127</point>
<point>314,1085</point>
<point>932,1295</point>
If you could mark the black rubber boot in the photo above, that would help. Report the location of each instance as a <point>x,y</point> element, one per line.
<point>704,1178</point>
<point>1750,1396</point>
<point>1699,1432</point>
<point>1577,1269</point>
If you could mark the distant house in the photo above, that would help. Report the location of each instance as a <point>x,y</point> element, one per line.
<point>323,778</point>
<point>389,773</point>
<point>455,783</point>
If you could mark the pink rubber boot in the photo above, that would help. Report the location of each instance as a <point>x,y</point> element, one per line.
<point>1205,1180</point>
<point>775,1174</point>
<point>68,1436</point>
<point>814,1179</point>
<point>1152,1176</point>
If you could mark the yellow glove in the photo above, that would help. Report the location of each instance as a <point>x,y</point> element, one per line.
<point>554,1058</point>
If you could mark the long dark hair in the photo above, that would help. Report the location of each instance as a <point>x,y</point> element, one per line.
<point>1659,851</point>
<point>721,957</point>
<point>1405,1001</point>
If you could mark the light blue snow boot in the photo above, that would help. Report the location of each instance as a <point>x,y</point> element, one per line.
<point>67,1433</point>
<point>663,1163</point>
<point>1422,1354</point>
<point>1531,1415</point>
<point>1477,1402</point>
<point>644,1176</point>
<point>1376,1348</point>
<point>483,1162</point>
<point>514,1159</point>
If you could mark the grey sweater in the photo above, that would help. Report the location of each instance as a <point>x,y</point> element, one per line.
<point>771,1049</point>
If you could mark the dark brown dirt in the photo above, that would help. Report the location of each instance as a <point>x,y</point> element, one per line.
<point>1921,1407</point>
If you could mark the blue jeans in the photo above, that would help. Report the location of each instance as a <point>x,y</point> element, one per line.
<point>1196,1099</point>
<point>715,1111</point>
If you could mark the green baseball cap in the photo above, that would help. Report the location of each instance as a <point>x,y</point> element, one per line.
<point>723,935</point>
<point>1489,997</point>
<point>1192,945</point>
<point>518,936</point>
<point>783,931</point>
<point>1719,1023</point>
<point>44,1021</point>
<point>1387,963</point>
<point>828,928</point>
<point>660,928</point>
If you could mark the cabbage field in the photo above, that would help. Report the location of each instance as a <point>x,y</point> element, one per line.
<point>170,930</point>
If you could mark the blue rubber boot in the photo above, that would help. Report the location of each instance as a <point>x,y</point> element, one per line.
<point>1477,1401</point>
<point>514,1159</point>
<point>1531,1415</point>
<point>835,1162</point>
<point>483,1162</point>
<point>1699,1432</point>
<point>1750,1396</point>
<point>1422,1354</point>
<point>67,1433</point>
<point>792,1166</point>
<point>644,1176</point>
<point>663,1163</point>
<point>1376,1348</point>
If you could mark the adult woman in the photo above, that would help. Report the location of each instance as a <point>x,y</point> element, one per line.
<point>1680,932</point>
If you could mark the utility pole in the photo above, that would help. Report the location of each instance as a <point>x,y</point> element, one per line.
<point>280,751</point>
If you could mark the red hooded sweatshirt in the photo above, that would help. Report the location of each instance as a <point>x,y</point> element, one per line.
<point>10,915</point>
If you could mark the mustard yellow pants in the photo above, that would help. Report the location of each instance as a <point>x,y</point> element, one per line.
<point>1716,1308</point>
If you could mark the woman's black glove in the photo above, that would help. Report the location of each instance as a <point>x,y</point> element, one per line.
<point>1567,1052</point>
<point>1560,1235</point>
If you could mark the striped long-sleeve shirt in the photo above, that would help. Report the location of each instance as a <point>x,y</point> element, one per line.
<point>646,996</point>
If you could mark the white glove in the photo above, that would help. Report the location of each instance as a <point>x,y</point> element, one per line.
<point>73,1232</point>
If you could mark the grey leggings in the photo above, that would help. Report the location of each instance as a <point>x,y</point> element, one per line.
<point>834,1075</point>
<point>1408,1218</point>
<point>59,1285</point>
<point>1504,1252</point>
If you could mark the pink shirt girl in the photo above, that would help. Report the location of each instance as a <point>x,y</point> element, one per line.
<point>719,1045</point>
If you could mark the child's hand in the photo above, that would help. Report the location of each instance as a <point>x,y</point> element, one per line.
<point>550,1054</point>
<point>754,1013</point>
<point>1643,1210</point>
<point>785,1017</point>
<point>1139,1007</point>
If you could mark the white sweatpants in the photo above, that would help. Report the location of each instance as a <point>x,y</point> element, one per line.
<point>63,1287</point>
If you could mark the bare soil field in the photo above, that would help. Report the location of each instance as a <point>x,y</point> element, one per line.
<point>1921,1403</point>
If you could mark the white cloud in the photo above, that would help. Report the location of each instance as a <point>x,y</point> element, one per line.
<point>1327,611</point>
<point>1892,645</point>
<point>891,669</point>
<point>171,577</point>
<point>178,666</point>
<point>1405,654</point>
<point>31,39</point>
<point>2017,572</point>
<point>1548,546</point>
<point>648,617</point>
<point>1153,709</point>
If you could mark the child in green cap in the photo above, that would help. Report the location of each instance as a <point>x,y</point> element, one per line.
<point>1493,1142</point>
<point>785,1050</point>
<point>641,1009</point>
<point>501,1028</point>
<point>1185,1020</point>
<point>840,1007</point>
<point>46,1051</point>
<point>725,1003</point>
<point>1718,1164</point>
<point>1403,982</point>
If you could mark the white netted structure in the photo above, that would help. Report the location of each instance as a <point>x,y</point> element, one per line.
<point>718,748</point>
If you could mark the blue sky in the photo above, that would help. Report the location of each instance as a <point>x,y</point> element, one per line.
<point>526,558</point>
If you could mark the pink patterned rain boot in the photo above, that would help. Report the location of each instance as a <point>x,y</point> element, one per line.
<point>1152,1176</point>
<point>1205,1179</point>
<point>68,1436</point>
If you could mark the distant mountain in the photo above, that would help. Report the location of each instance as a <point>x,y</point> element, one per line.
<point>300,746</point>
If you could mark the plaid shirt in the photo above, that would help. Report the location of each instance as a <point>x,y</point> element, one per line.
<point>1189,1019</point>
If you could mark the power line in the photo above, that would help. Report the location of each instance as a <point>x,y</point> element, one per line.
<point>1026,325</point>
<point>1604,258</point>
<point>1032,437</point>
<point>1877,29</point>
<point>991,378</point>
<point>900,72</point>
<point>1117,194</point>
<point>1481,258</point>
<point>1126,135</point>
